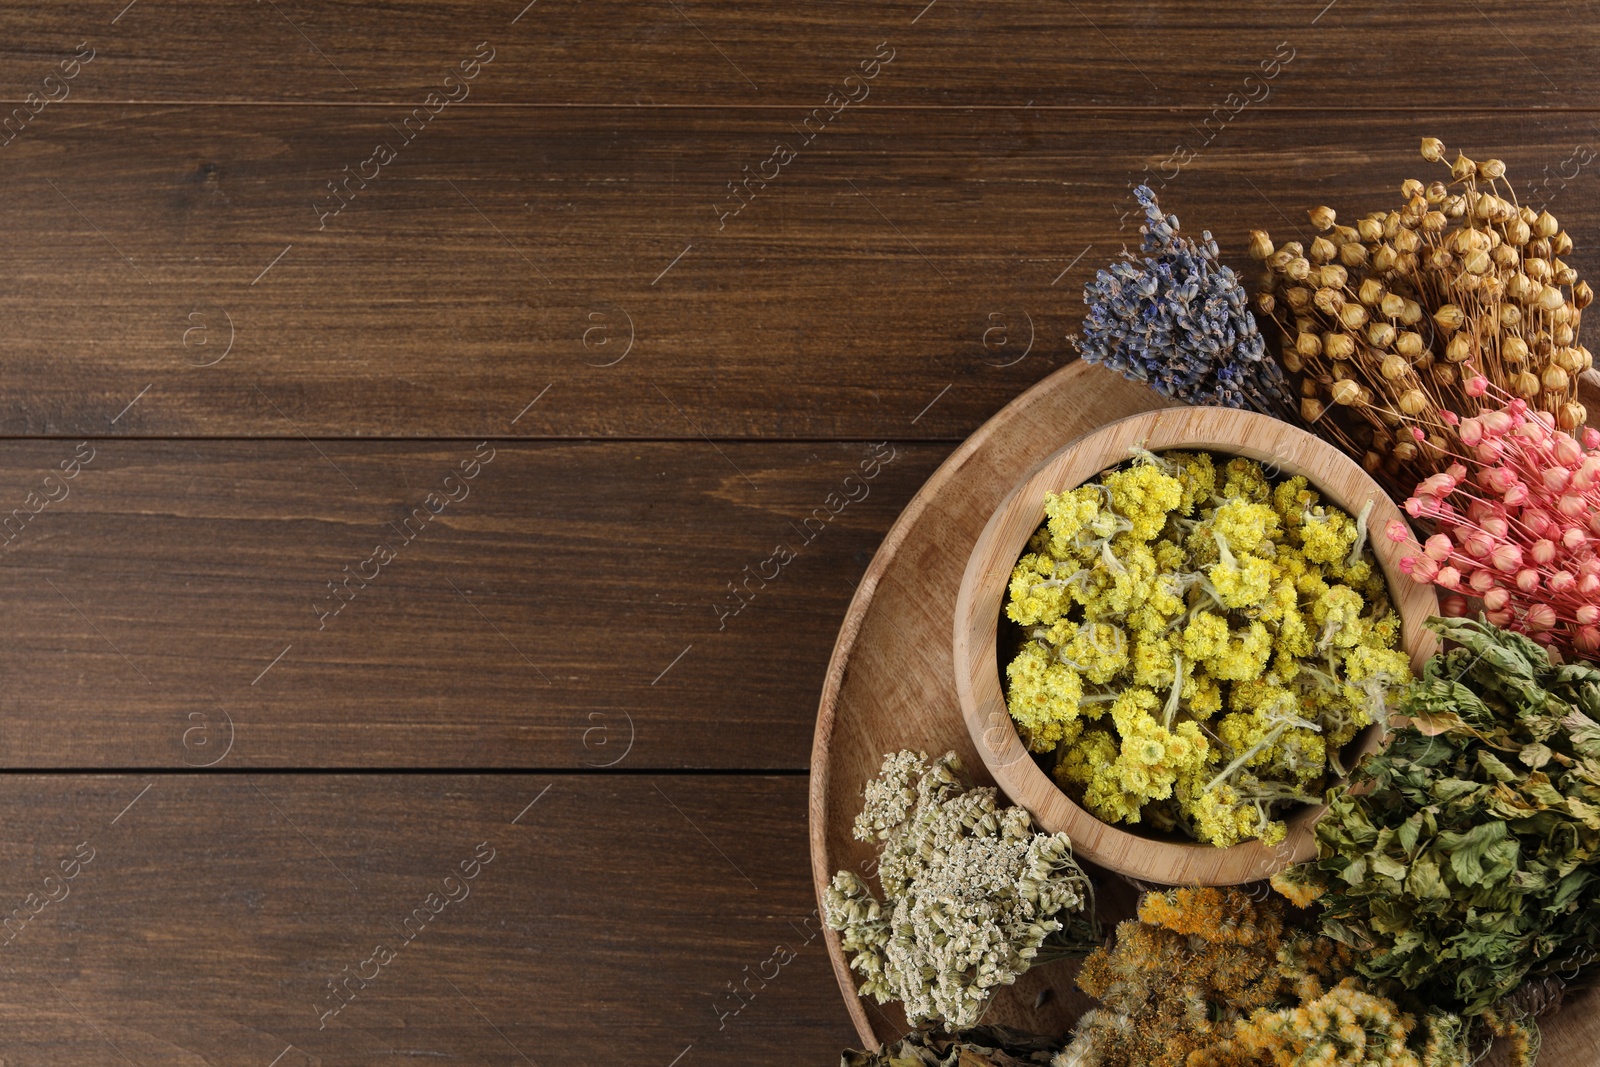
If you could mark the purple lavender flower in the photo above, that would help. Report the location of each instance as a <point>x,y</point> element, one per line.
<point>1179,320</point>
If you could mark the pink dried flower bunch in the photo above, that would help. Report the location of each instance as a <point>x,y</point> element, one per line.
<point>1518,521</point>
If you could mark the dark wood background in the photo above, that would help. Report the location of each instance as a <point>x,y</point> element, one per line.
<point>668,394</point>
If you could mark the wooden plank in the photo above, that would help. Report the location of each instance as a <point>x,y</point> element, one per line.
<point>609,925</point>
<point>721,52</point>
<point>572,609</point>
<point>907,275</point>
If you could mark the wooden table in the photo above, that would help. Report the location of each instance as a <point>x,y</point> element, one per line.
<point>461,403</point>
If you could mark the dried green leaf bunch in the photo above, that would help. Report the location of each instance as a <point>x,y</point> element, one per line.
<point>1462,862</point>
<point>1382,322</point>
<point>972,896</point>
<point>1215,977</point>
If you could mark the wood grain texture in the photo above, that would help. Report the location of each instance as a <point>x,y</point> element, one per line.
<point>549,258</point>
<point>722,53</point>
<point>573,609</point>
<point>905,275</point>
<point>981,599</point>
<point>609,926</point>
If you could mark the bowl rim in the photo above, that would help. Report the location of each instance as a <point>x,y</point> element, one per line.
<point>979,602</point>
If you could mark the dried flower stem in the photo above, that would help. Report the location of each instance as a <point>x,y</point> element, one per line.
<point>1385,322</point>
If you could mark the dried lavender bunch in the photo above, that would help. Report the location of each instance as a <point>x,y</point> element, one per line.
<point>972,896</point>
<point>1181,321</point>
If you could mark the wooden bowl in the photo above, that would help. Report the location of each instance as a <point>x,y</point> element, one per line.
<point>1225,432</point>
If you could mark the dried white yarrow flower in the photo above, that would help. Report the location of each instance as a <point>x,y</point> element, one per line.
<point>972,896</point>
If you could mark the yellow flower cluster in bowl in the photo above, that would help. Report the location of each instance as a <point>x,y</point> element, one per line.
<point>1200,644</point>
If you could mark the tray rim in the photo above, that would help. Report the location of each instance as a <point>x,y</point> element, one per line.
<point>844,646</point>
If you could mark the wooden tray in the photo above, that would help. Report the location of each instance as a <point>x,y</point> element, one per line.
<point>891,684</point>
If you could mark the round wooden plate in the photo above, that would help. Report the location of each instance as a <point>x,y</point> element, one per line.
<point>891,684</point>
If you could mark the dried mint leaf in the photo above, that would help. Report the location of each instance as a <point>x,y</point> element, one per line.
<point>1463,861</point>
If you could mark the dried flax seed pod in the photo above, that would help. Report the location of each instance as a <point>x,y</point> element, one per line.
<point>1453,285</point>
<point>1449,318</point>
<point>1353,316</point>
<point>1353,254</point>
<point>1413,402</point>
<point>1345,392</point>
<point>1338,346</point>
<point>1568,359</point>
